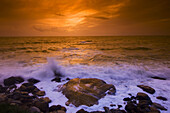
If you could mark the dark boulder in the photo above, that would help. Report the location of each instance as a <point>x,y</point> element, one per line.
<point>56,79</point>
<point>127,99</point>
<point>142,96</point>
<point>147,89</point>
<point>117,111</point>
<point>54,108</point>
<point>131,107</point>
<point>160,78</point>
<point>162,98</point>
<point>85,91</point>
<point>13,80</point>
<point>3,89</point>
<point>32,80</point>
<point>159,106</point>
<point>43,106</point>
<point>81,111</point>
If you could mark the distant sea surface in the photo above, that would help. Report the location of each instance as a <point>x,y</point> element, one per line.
<point>120,60</point>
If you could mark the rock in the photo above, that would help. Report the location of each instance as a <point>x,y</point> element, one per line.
<point>154,110</point>
<point>159,106</point>
<point>81,111</point>
<point>54,108</point>
<point>3,97</point>
<point>85,91</point>
<point>17,102</point>
<point>112,105</point>
<point>56,79</point>
<point>131,107</point>
<point>26,98</point>
<point>162,98</point>
<point>107,110</point>
<point>61,111</point>
<point>67,78</point>
<point>28,87</point>
<point>119,106</point>
<point>46,99</point>
<point>143,96</point>
<point>32,80</point>
<point>147,89</point>
<point>43,106</point>
<point>160,78</point>
<point>127,99</point>
<point>13,80</point>
<point>40,93</point>
<point>63,108</point>
<point>117,111</point>
<point>34,110</point>
<point>112,91</point>
<point>2,89</point>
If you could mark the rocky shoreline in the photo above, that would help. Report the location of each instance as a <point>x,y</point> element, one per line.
<point>78,91</point>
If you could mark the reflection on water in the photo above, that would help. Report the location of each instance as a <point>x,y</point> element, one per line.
<point>85,50</point>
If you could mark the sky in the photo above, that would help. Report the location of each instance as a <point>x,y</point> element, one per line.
<point>84,17</point>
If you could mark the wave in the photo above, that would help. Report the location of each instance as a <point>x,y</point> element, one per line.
<point>137,48</point>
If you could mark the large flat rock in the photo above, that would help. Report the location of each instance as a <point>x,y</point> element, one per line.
<point>86,91</point>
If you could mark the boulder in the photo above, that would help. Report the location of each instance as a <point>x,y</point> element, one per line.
<point>13,80</point>
<point>162,98</point>
<point>40,93</point>
<point>32,80</point>
<point>56,79</point>
<point>160,78</point>
<point>147,89</point>
<point>159,106</point>
<point>142,96</point>
<point>81,111</point>
<point>85,91</point>
<point>46,99</point>
<point>54,108</point>
<point>2,89</point>
<point>34,110</point>
<point>42,105</point>
<point>131,107</point>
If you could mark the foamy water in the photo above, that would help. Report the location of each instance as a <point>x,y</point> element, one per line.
<point>122,61</point>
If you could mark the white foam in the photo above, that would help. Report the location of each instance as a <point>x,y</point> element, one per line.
<point>124,77</point>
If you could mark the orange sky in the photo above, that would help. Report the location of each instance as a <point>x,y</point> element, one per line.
<point>84,17</point>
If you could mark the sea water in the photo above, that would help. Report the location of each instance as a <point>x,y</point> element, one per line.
<point>125,62</point>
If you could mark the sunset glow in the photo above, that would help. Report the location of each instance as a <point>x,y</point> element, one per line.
<point>84,17</point>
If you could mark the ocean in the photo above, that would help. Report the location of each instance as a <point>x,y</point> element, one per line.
<point>124,61</point>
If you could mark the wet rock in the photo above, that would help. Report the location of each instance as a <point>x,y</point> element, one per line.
<point>117,111</point>
<point>81,111</point>
<point>26,98</point>
<point>112,91</point>
<point>143,96</point>
<point>112,105</point>
<point>61,111</point>
<point>162,98</point>
<point>32,80</point>
<point>43,106</point>
<point>2,89</point>
<point>56,79</point>
<point>106,109</point>
<point>160,78</point>
<point>63,108</point>
<point>131,107</point>
<point>67,78</point>
<point>13,80</point>
<point>46,99</point>
<point>27,87</point>
<point>159,106</point>
<point>119,106</point>
<point>55,108</point>
<point>85,91</point>
<point>154,110</point>
<point>34,109</point>
<point>3,97</point>
<point>147,89</point>
<point>40,93</point>
<point>127,99</point>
